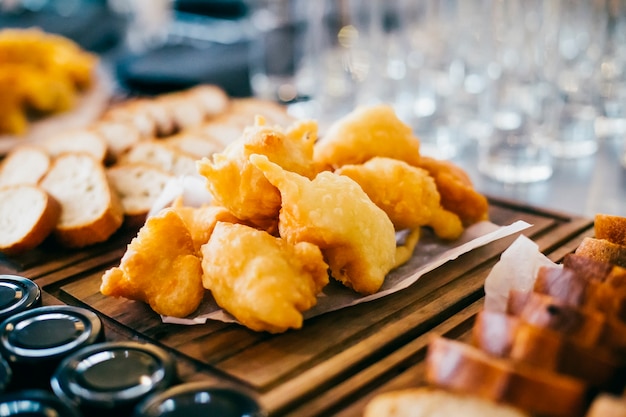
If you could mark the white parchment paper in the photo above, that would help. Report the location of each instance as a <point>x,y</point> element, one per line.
<point>516,270</point>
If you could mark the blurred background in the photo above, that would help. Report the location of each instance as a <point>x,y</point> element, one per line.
<point>529,96</point>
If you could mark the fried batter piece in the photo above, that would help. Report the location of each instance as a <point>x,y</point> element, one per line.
<point>40,74</point>
<point>333,212</point>
<point>263,281</point>
<point>160,267</point>
<point>457,191</point>
<point>407,194</point>
<point>240,186</point>
<point>202,220</point>
<point>365,133</point>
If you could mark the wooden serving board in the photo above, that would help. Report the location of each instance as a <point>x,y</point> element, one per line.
<point>337,361</point>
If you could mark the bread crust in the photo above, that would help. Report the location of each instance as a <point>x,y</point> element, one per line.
<point>42,225</point>
<point>603,250</point>
<point>457,366</point>
<point>611,228</point>
<point>106,220</point>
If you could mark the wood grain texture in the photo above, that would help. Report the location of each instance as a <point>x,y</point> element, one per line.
<point>337,360</point>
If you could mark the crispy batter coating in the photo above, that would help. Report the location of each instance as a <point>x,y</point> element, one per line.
<point>457,191</point>
<point>202,220</point>
<point>365,133</point>
<point>240,186</point>
<point>40,73</point>
<point>160,267</point>
<point>332,211</point>
<point>407,194</point>
<point>263,281</point>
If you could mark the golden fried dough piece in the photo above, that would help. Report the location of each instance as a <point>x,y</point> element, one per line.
<point>407,194</point>
<point>332,211</point>
<point>202,220</point>
<point>160,267</point>
<point>365,133</point>
<point>405,250</point>
<point>240,186</point>
<point>263,281</point>
<point>457,191</point>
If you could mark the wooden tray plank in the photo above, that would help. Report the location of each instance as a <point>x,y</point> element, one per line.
<point>349,393</point>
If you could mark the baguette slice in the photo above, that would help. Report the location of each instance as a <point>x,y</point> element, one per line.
<point>457,366</point>
<point>506,336</point>
<point>194,143</point>
<point>77,140</point>
<point>161,155</point>
<point>90,210</point>
<point>26,164</point>
<point>27,216</point>
<point>138,186</point>
<point>611,228</point>
<point>606,405</point>
<point>602,250</point>
<point>432,402</point>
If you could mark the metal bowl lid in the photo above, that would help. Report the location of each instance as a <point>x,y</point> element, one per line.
<point>200,399</point>
<point>113,374</point>
<point>17,294</point>
<point>34,403</point>
<point>47,333</point>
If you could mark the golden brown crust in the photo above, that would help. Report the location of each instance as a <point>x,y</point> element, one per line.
<point>603,250</point>
<point>507,336</point>
<point>457,366</point>
<point>41,227</point>
<point>611,228</point>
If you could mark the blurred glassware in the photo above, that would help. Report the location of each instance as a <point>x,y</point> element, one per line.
<point>516,151</point>
<point>581,46</point>
<point>313,56</point>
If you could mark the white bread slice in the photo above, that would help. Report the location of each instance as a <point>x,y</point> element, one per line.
<point>457,366</point>
<point>27,216</point>
<point>138,186</point>
<point>119,136</point>
<point>432,402</point>
<point>132,112</point>
<point>90,210</point>
<point>195,142</point>
<point>26,164</point>
<point>161,155</point>
<point>77,140</point>
<point>607,405</point>
<point>184,111</point>
<point>602,250</point>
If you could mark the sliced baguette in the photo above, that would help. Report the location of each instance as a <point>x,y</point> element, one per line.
<point>607,405</point>
<point>26,164</point>
<point>138,186</point>
<point>90,210</point>
<point>506,336</point>
<point>432,402</point>
<point>457,366</point>
<point>602,250</point>
<point>28,215</point>
<point>77,140</point>
<point>161,155</point>
<point>119,137</point>
<point>611,228</point>
<point>195,143</point>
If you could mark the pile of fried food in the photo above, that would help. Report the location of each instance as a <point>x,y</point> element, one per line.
<point>40,74</point>
<point>289,213</point>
